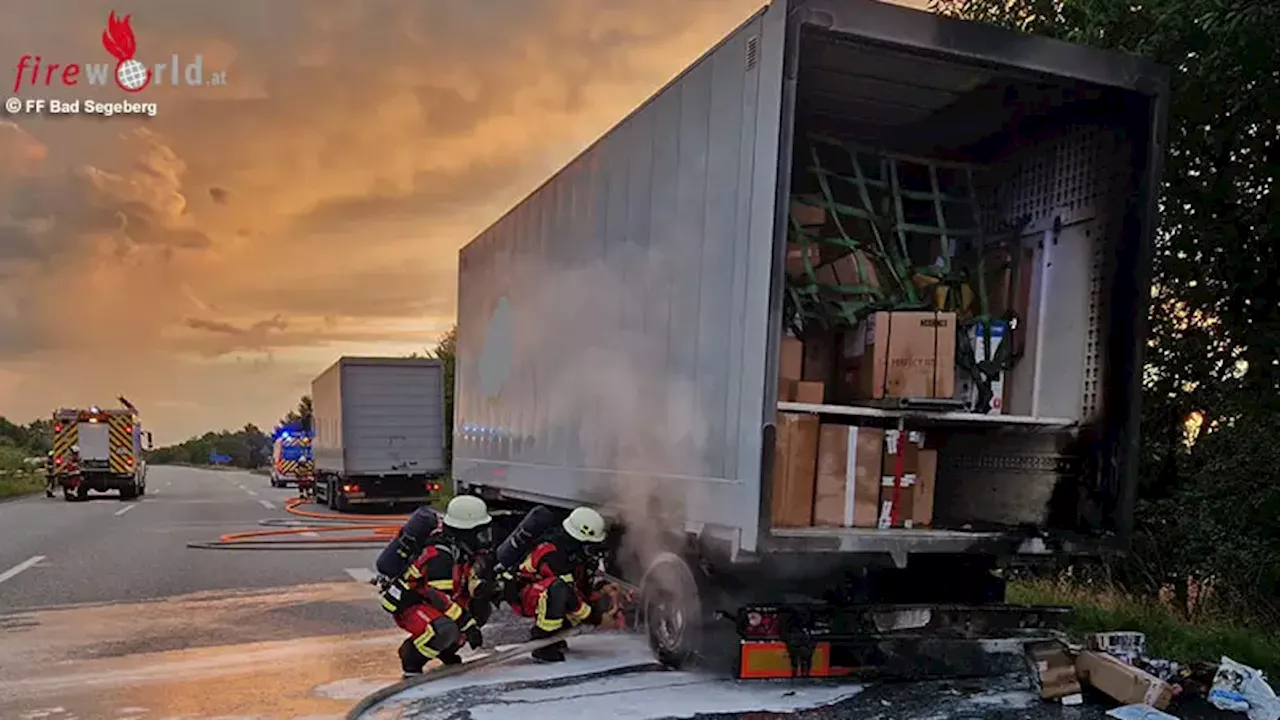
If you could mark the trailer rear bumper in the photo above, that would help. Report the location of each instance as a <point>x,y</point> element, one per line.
<point>904,641</point>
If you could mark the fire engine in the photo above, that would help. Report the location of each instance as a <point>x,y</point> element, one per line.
<point>291,460</point>
<point>110,457</point>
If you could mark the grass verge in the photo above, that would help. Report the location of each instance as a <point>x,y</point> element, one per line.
<point>1168,635</point>
<point>12,485</point>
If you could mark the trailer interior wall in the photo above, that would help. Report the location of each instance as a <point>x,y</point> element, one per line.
<point>1068,138</point>
<point>611,334</point>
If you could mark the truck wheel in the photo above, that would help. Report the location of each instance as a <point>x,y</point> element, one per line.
<point>82,493</point>
<point>129,492</point>
<point>330,496</point>
<point>67,495</point>
<point>672,610</point>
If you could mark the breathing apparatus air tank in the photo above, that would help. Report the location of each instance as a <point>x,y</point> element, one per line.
<point>520,542</point>
<point>408,543</point>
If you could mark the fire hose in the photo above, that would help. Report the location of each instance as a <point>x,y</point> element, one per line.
<point>342,532</point>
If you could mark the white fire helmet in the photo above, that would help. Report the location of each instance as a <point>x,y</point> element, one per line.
<point>466,512</point>
<point>585,525</point>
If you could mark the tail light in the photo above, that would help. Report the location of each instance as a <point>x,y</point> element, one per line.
<point>57,460</point>
<point>762,625</point>
<point>350,488</point>
<point>433,487</point>
<point>128,428</point>
<point>57,428</point>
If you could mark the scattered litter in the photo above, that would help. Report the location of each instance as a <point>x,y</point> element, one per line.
<point>1124,683</point>
<point>1073,700</point>
<point>1241,688</point>
<point>1126,645</point>
<point>1138,712</point>
<point>1003,699</point>
<point>1055,670</point>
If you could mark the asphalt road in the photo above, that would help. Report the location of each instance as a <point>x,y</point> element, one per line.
<point>105,613</point>
<point>109,551</point>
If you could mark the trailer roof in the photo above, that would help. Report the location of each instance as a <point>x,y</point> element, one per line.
<point>990,45</point>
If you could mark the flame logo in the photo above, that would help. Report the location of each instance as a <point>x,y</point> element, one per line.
<point>118,39</point>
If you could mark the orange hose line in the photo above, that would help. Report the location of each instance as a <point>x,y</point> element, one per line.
<point>291,507</point>
<point>372,529</point>
<point>381,531</point>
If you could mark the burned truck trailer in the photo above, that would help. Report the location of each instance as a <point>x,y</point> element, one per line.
<point>757,321</point>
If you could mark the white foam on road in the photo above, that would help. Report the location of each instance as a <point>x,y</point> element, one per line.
<point>636,693</point>
<point>16,569</point>
<point>360,575</point>
<point>350,689</point>
<point>267,504</point>
<point>652,695</point>
<point>125,509</point>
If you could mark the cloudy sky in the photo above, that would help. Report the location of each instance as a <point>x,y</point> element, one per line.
<point>208,262</point>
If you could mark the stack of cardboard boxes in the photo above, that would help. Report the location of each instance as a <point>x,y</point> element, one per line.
<point>833,475</point>
<point>844,475</point>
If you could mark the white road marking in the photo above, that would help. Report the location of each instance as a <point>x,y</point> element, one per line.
<point>251,492</point>
<point>267,504</point>
<point>360,575</point>
<point>309,534</point>
<point>24,565</point>
<point>125,509</point>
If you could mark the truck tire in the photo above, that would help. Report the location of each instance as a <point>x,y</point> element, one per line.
<point>671,608</point>
<point>332,495</point>
<point>129,492</point>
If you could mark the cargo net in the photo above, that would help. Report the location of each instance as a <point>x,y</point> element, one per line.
<point>871,231</point>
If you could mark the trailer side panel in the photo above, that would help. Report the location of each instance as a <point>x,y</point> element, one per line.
<point>612,326</point>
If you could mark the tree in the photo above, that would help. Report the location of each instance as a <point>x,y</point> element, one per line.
<point>1209,506</point>
<point>446,351</point>
<point>248,448</point>
<point>301,416</point>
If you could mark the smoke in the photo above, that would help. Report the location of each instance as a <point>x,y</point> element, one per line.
<point>593,348</point>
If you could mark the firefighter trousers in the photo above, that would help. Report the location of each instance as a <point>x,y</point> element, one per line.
<point>432,635</point>
<point>552,602</point>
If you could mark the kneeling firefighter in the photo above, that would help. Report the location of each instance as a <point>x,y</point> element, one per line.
<point>430,598</point>
<point>556,584</point>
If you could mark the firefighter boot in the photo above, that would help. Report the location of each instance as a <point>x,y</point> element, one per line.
<point>450,657</point>
<point>551,653</point>
<point>412,662</point>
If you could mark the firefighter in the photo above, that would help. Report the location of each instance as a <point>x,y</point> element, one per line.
<point>556,584</point>
<point>49,476</point>
<point>425,600</point>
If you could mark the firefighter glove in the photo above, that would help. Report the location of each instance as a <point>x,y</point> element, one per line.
<point>484,591</point>
<point>475,638</point>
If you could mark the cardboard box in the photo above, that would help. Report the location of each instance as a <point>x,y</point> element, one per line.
<point>1125,645</point>
<point>794,469</point>
<point>796,255</point>
<point>1055,670</point>
<point>807,211</point>
<point>856,268</point>
<point>1124,683</point>
<point>904,355</point>
<point>808,391</point>
<point>819,358</point>
<point>917,488</point>
<point>787,390</point>
<point>847,490</point>
<point>790,358</point>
